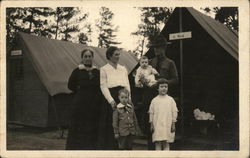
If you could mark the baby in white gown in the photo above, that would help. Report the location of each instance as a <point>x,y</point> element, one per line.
<point>145,74</point>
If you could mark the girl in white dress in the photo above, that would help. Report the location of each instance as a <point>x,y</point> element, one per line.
<point>162,117</point>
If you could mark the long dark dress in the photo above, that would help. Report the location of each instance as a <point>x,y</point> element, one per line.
<point>83,130</point>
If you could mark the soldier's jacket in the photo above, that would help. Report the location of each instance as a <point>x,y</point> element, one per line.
<point>166,68</point>
<point>125,121</point>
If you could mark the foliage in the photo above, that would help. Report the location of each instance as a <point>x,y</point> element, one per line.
<point>12,26</point>
<point>106,29</point>
<point>152,18</point>
<point>29,20</point>
<point>67,22</point>
<point>85,36</point>
<point>36,19</point>
<point>60,22</point>
<point>226,15</point>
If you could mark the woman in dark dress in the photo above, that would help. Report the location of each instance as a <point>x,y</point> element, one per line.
<point>85,83</point>
<point>113,78</point>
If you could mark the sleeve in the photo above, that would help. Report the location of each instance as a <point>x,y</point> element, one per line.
<point>72,83</point>
<point>104,86</point>
<point>173,74</point>
<point>127,82</point>
<point>151,111</point>
<point>137,77</point>
<point>174,111</point>
<point>116,122</point>
<point>154,71</point>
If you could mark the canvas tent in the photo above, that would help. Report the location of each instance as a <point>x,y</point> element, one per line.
<point>45,66</point>
<point>210,66</point>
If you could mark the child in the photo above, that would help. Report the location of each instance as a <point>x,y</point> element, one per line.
<point>162,117</point>
<point>145,74</point>
<point>124,121</point>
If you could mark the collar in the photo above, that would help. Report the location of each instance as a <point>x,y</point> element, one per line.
<point>113,65</point>
<point>120,105</point>
<point>82,66</point>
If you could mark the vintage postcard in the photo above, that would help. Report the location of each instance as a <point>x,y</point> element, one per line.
<point>124,78</point>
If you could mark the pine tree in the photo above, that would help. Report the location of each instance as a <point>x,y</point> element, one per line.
<point>67,22</point>
<point>85,36</point>
<point>12,27</point>
<point>106,28</point>
<point>225,15</point>
<point>152,18</point>
<point>37,20</point>
<point>29,20</point>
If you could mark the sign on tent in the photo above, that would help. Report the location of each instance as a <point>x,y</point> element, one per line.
<point>180,35</point>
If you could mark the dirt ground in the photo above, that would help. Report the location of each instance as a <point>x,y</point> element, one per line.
<point>30,138</point>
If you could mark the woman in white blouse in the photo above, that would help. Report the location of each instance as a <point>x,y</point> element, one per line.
<point>113,77</point>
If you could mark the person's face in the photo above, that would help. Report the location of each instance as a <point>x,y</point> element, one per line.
<point>144,63</point>
<point>159,51</point>
<point>123,97</point>
<point>115,57</point>
<point>87,58</point>
<point>163,89</point>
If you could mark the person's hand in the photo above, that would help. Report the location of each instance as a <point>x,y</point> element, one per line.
<point>143,79</point>
<point>113,104</point>
<point>173,127</point>
<point>116,136</point>
<point>152,129</point>
<point>139,85</point>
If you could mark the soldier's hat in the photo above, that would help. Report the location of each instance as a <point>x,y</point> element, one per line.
<point>158,41</point>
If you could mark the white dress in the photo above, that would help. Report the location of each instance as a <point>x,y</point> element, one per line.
<point>163,112</point>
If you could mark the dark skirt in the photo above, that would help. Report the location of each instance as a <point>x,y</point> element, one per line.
<point>83,129</point>
<point>106,139</point>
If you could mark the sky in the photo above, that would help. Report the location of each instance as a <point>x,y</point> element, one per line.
<point>127,18</point>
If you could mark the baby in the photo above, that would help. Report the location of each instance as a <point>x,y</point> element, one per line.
<point>145,74</point>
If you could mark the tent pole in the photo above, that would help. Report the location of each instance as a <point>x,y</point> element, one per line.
<point>181,72</point>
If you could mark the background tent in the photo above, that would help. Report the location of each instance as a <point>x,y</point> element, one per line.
<point>42,71</point>
<point>210,68</point>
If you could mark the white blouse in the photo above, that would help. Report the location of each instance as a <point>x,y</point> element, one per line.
<point>112,77</point>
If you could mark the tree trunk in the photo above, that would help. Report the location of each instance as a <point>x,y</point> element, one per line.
<point>31,17</point>
<point>57,23</point>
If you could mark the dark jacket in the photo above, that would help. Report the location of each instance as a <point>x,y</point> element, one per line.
<point>166,69</point>
<point>125,121</point>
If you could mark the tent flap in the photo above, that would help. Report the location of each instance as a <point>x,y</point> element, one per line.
<point>223,35</point>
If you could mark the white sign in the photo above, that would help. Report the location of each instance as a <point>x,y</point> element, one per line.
<point>180,35</point>
<point>16,52</point>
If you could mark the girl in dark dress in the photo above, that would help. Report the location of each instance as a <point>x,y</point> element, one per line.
<point>85,83</point>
